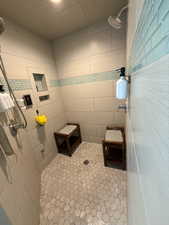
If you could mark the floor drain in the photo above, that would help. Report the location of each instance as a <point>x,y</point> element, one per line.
<point>86,162</point>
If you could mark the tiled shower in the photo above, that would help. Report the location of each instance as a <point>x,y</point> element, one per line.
<point>80,74</point>
<point>74,97</point>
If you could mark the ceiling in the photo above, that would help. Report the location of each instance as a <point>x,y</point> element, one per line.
<point>52,20</point>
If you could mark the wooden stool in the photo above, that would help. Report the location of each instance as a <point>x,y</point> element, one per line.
<point>68,138</point>
<point>114,141</point>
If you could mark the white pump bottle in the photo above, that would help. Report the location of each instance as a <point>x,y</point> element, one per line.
<point>122,86</point>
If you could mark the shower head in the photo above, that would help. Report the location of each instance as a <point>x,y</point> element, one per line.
<point>2,25</point>
<point>115,22</point>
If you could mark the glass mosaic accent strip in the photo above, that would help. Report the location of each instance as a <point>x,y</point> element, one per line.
<point>17,84</point>
<point>23,84</point>
<point>111,75</point>
<point>54,83</point>
<point>151,40</point>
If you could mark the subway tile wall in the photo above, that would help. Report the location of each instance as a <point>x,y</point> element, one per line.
<point>23,54</point>
<point>148,118</point>
<point>152,34</point>
<point>86,63</point>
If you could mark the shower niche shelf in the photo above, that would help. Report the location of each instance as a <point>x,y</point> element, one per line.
<point>40,82</point>
<point>44,98</point>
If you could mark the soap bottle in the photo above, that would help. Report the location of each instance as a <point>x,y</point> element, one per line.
<point>122,85</point>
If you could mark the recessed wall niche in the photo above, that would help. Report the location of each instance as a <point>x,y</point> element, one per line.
<point>40,82</point>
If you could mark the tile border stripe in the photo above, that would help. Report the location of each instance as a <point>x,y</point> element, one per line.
<point>90,78</point>
<point>17,84</point>
<point>25,84</point>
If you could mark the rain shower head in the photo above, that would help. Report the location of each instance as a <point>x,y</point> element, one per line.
<point>2,25</point>
<point>116,22</point>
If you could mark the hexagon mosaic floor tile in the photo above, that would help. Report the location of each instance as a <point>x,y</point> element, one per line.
<point>78,193</point>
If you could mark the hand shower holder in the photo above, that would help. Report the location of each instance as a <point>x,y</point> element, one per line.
<point>14,127</point>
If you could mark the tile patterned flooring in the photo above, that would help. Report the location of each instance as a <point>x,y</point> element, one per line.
<point>76,194</point>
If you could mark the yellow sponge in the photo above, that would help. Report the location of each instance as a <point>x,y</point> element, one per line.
<point>41,119</point>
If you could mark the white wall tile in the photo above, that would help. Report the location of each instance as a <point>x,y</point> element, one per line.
<point>78,91</point>
<point>101,42</point>
<point>76,67</point>
<point>104,89</point>
<point>107,104</point>
<point>95,49</point>
<point>81,105</point>
<point>108,61</point>
<point>24,52</point>
<point>77,53</point>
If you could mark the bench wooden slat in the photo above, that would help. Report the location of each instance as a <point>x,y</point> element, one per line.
<point>68,129</point>
<point>114,136</point>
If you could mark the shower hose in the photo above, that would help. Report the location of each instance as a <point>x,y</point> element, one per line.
<point>2,67</point>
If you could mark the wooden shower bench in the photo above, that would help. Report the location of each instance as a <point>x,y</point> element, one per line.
<point>68,138</point>
<point>114,147</point>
